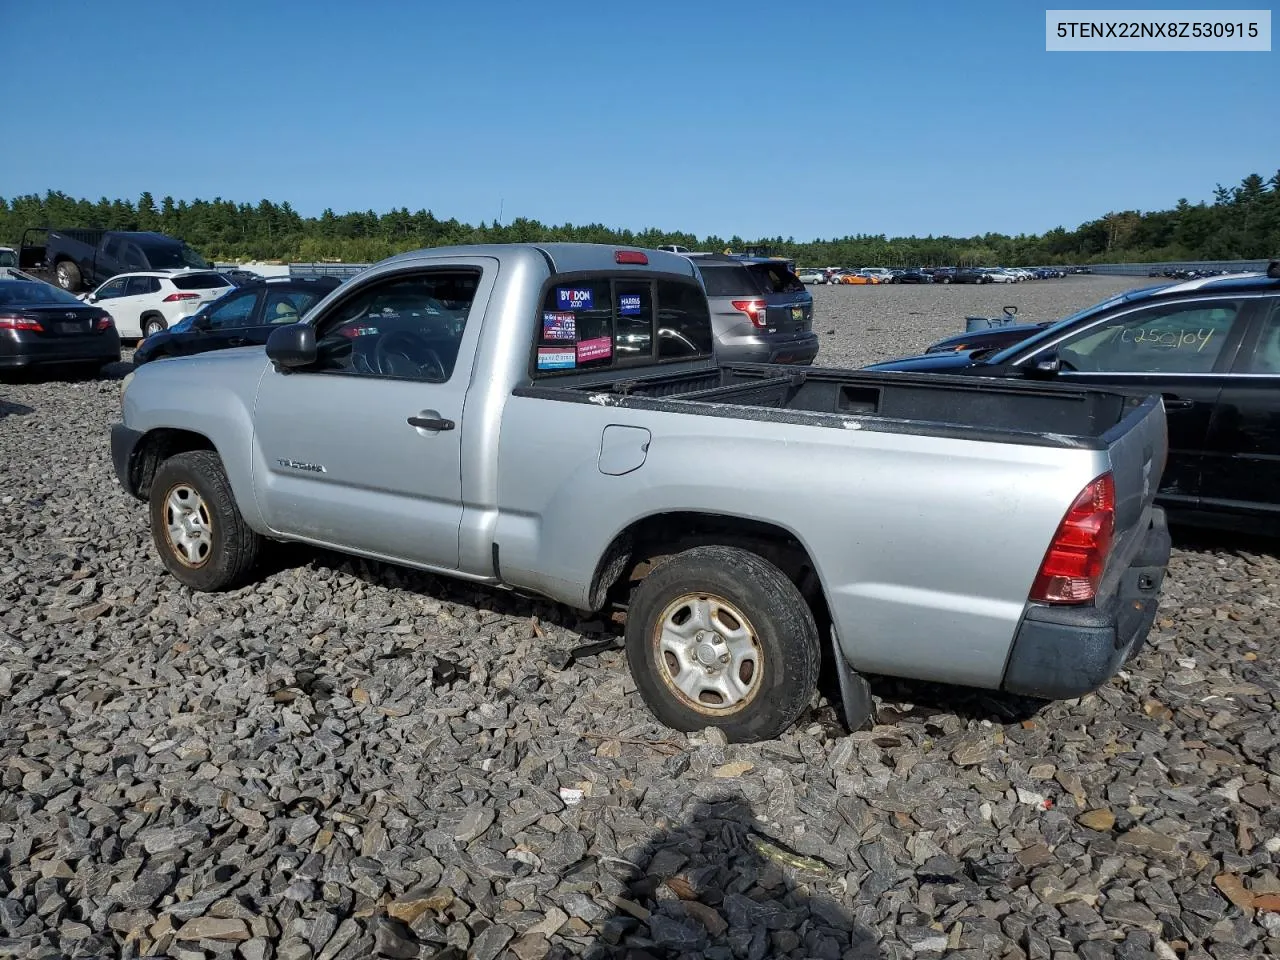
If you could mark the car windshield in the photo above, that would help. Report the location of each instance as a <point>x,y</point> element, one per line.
<point>168,256</point>
<point>17,292</point>
<point>8,258</point>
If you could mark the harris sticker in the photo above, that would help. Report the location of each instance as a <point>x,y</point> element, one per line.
<point>629,303</point>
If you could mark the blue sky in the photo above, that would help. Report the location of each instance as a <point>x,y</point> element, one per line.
<point>805,120</point>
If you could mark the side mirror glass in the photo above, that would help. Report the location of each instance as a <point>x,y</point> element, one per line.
<point>293,345</point>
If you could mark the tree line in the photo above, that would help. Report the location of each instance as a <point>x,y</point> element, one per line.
<point>1241,222</point>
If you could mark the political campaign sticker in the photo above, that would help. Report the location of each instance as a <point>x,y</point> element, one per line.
<point>553,358</point>
<point>573,298</point>
<point>629,303</point>
<point>596,349</point>
<point>559,326</point>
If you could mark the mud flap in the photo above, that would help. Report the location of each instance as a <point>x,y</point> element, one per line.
<point>855,692</point>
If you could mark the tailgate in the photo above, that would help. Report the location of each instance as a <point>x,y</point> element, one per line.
<point>1137,446</point>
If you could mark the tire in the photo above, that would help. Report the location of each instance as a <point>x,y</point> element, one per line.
<point>67,275</point>
<point>946,279</point>
<point>775,644</point>
<point>153,323</point>
<point>220,550</point>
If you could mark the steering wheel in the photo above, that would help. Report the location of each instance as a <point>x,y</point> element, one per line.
<point>416,353</point>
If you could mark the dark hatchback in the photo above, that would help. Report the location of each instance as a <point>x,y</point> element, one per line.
<point>1211,347</point>
<point>243,317</point>
<point>760,311</point>
<point>41,325</point>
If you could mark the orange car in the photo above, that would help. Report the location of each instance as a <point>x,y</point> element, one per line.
<point>857,278</point>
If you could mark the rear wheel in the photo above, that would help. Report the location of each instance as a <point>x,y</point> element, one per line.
<point>68,276</point>
<point>718,636</point>
<point>153,323</point>
<point>196,526</point>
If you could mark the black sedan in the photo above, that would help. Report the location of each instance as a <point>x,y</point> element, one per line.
<point>41,325</point>
<point>912,275</point>
<point>243,317</point>
<point>1211,347</point>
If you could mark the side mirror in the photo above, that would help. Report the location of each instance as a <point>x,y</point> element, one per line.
<point>292,346</point>
<point>1047,367</point>
<point>1273,269</point>
<point>201,322</point>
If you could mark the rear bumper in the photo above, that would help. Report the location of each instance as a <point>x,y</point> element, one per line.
<point>123,444</point>
<point>30,350</point>
<point>1064,652</point>
<point>801,348</point>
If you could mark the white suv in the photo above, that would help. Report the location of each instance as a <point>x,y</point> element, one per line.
<point>149,301</point>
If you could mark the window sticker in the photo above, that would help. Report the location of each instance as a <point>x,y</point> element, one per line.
<point>559,326</point>
<point>596,349</point>
<point>553,358</point>
<point>629,303</point>
<point>573,298</point>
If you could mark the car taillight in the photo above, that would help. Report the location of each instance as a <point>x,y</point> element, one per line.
<point>1075,560</point>
<point>755,309</point>
<point>20,323</point>
<point>630,256</point>
<point>175,297</point>
<point>104,323</point>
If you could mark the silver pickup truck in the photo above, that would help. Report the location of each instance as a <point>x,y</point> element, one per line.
<point>551,419</point>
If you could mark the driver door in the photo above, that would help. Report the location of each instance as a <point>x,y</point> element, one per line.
<point>362,451</point>
<point>1182,350</point>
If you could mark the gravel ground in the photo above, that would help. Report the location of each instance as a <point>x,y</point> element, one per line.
<point>349,760</point>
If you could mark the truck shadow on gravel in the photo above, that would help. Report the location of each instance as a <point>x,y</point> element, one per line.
<point>714,886</point>
<point>896,698</point>
<point>10,409</point>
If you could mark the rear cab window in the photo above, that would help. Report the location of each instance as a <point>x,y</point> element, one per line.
<point>595,322</point>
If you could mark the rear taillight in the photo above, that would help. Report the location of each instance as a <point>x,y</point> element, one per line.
<point>20,323</point>
<point>104,323</point>
<point>1076,558</point>
<point>175,297</point>
<point>755,309</point>
<point>630,256</point>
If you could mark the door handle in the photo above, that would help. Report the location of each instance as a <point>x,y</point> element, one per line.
<point>1177,403</point>
<point>431,423</point>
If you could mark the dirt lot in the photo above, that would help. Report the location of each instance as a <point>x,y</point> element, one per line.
<point>347,760</point>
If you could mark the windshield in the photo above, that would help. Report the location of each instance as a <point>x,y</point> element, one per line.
<point>166,256</point>
<point>16,292</point>
<point>8,258</point>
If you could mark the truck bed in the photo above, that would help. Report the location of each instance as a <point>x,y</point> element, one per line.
<point>982,409</point>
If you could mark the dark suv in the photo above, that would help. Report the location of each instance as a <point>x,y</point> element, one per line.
<point>243,317</point>
<point>760,311</point>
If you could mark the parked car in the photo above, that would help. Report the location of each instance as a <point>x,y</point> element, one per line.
<point>883,274</point>
<point>508,442</point>
<point>149,302</point>
<point>861,279</point>
<point>942,274</point>
<point>1000,275</point>
<point>76,258</point>
<point>243,317</point>
<point>41,325</point>
<point>812,275</point>
<point>968,275</point>
<point>760,311</point>
<point>8,257</point>
<point>1210,346</point>
<point>913,275</point>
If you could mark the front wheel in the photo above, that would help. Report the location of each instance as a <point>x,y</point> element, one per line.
<point>717,636</point>
<point>196,526</point>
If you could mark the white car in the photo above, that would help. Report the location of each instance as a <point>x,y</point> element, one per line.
<point>883,274</point>
<point>1001,275</point>
<point>150,301</point>
<point>812,276</point>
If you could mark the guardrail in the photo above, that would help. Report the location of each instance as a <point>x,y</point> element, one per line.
<point>1145,269</point>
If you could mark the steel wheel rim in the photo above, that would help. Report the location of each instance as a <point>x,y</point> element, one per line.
<point>708,654</point>
<point>187,525</point>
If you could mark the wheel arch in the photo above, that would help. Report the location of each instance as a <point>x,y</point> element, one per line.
<point>646,541</point>
<point>156,446</point>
